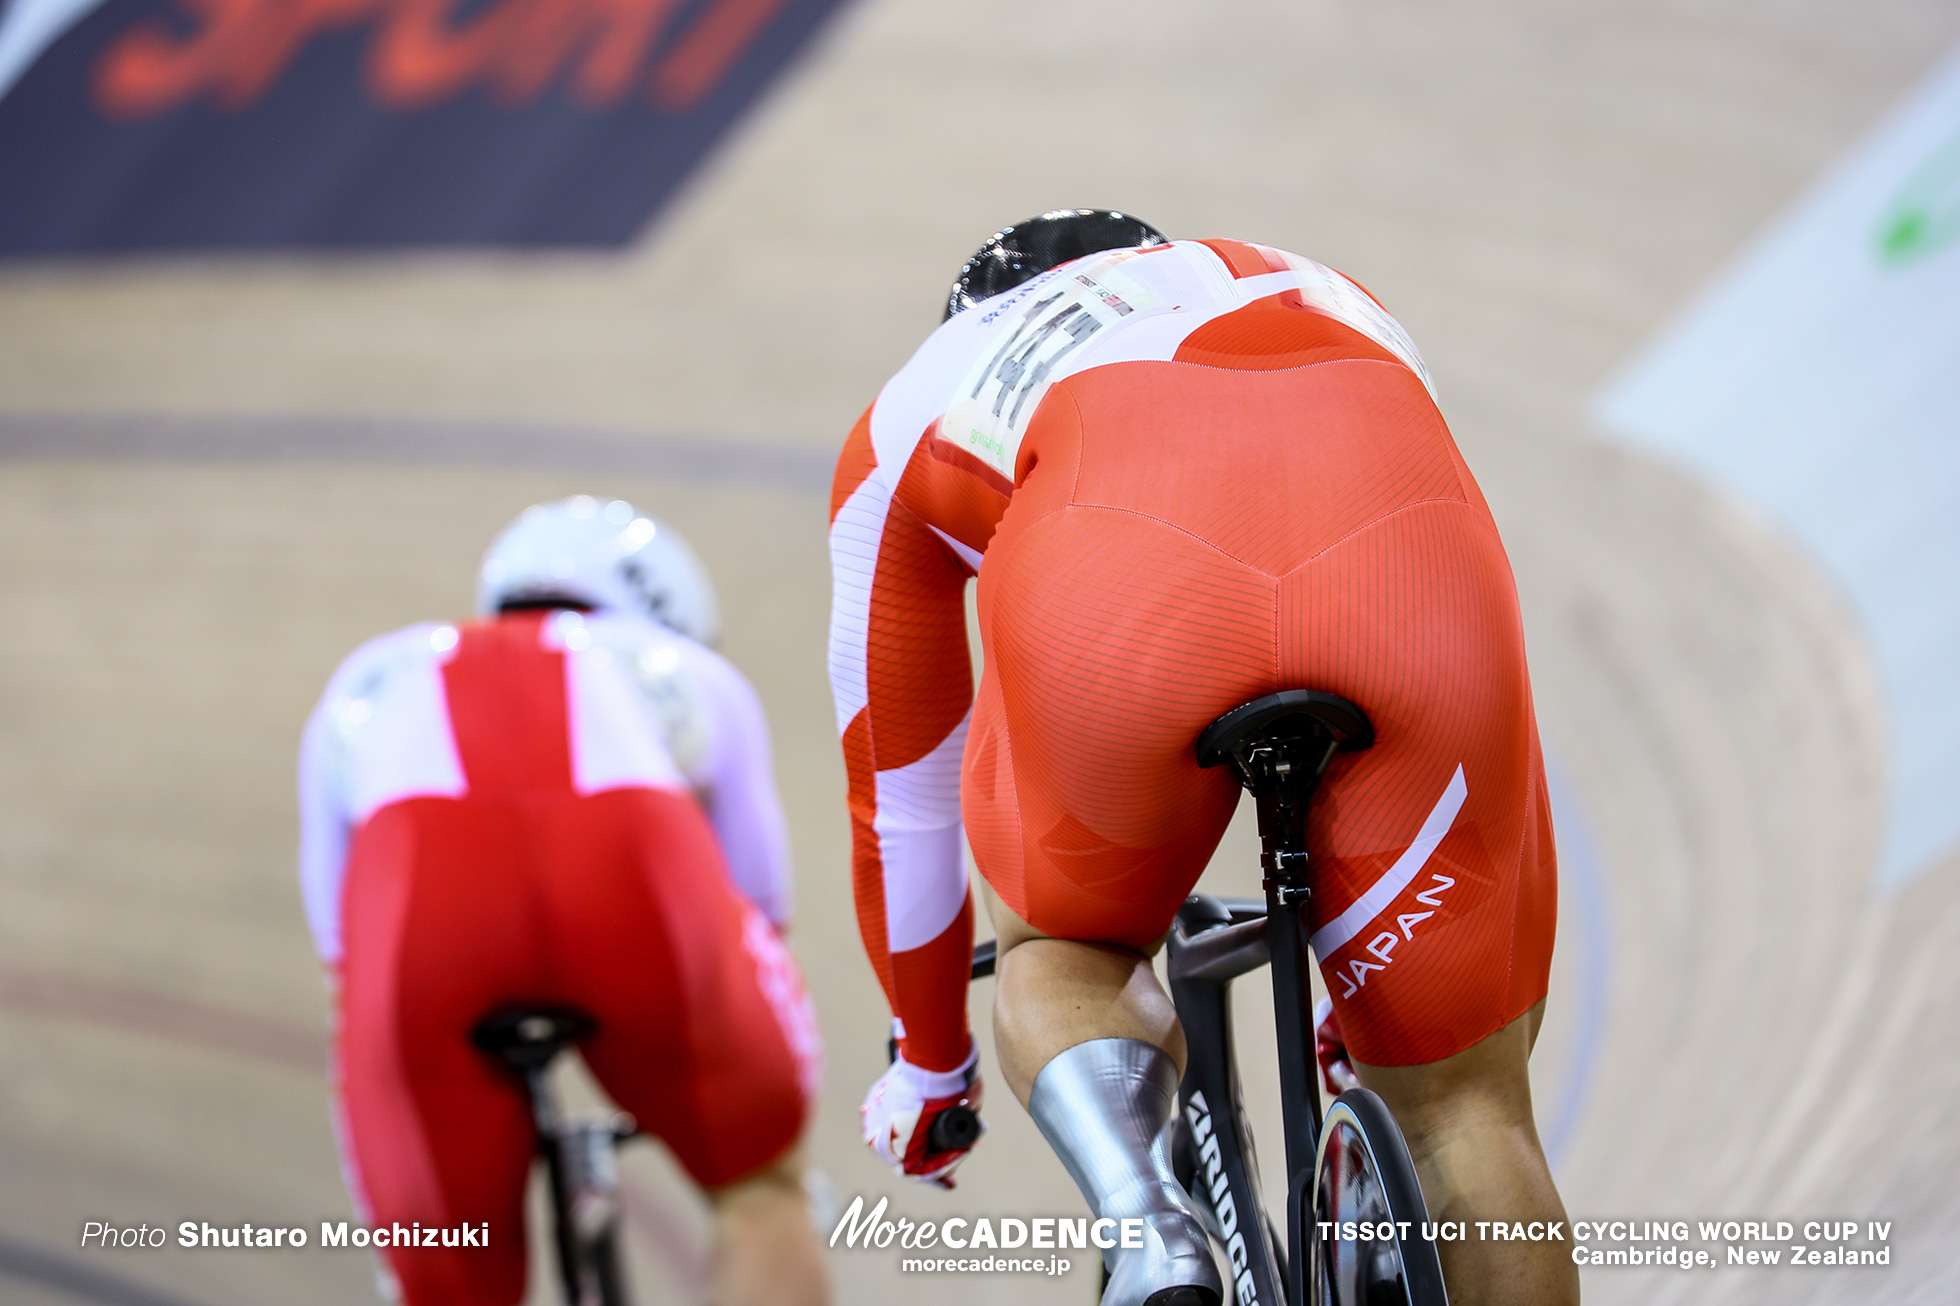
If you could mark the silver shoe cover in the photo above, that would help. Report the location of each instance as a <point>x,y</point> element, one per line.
<point>1105,1107</point>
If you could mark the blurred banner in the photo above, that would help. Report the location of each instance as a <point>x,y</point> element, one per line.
<point>189,124</point>
<point>1819,380</point>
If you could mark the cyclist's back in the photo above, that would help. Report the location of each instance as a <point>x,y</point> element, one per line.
<point>551,701</point>
<point>545,807</point>
<point>1197,473</point>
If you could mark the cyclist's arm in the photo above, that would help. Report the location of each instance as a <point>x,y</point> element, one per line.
<point>326,818</point>
<point>903,686</point>
<point>327,812</point>
<point>323,833</point>
<point>736,781</point>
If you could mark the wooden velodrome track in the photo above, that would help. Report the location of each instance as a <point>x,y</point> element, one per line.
<point>219,475</point>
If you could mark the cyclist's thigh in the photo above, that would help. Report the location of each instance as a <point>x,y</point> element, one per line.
<point>1111,640</point>
<point>705,1031</point>
<point>1434,876</point>
<point>434,938</point>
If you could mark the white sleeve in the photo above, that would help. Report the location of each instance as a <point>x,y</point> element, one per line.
<point>737,784</point>
<point>324,828</point>
<point>326,816</point>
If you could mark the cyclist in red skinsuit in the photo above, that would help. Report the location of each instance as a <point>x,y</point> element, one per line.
<point>1186,475</point>
<point>564,803</point>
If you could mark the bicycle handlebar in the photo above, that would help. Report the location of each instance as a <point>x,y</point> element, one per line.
<point>956,1129</point>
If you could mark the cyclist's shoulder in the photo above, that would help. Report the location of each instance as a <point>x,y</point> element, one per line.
<point>654,648</point>
<point>422,642</point>
<point>980,378</point>
<point>378,671</point>
<point>696,694</point>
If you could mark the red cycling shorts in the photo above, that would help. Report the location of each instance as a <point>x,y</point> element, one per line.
<point>1219,535</point>
<point>523,891</point>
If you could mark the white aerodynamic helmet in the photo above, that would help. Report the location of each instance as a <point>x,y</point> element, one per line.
<point>600,555</point>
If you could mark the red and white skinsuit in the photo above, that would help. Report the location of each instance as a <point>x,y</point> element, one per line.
<point>1185,477</point>
<point>566,808</point>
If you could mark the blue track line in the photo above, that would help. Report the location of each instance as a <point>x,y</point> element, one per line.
<point>1580,875</point>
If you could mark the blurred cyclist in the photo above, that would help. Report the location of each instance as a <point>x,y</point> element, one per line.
<point>1186,474</point>
<point>567,801</point>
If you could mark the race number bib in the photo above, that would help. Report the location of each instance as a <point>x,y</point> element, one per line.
<point>1037,345</point>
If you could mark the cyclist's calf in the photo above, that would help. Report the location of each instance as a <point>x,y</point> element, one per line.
<point>766,1253</point>
<point>1104,1107</point>
<point>1469,1126</point>
<point>1090,1043</point>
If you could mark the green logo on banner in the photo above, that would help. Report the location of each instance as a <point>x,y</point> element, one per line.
<point>1926,213</point>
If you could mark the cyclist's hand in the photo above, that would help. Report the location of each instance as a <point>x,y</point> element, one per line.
<point>901,1107</point>
<point>1330,1050</point>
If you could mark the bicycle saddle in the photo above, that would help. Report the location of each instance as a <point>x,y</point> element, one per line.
<point>528,1037</point>
<point>1302,714</point>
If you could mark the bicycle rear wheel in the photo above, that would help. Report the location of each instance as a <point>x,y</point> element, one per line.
<point>1363,1176</point>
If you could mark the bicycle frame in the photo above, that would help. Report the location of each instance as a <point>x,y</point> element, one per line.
<point>1202,968</point>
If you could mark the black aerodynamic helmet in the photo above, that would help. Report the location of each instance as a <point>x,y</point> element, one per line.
<point>1028,249</point>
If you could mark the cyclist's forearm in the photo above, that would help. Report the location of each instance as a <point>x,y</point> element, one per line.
<point>924,971</point>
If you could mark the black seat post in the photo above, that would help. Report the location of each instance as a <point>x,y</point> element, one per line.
<point>525,1040</point>
<point>1279,746</point>
<point>1284,774</point>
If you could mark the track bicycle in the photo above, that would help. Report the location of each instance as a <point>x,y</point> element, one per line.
<point>578,1153</point>
<point>1352,1166</point>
